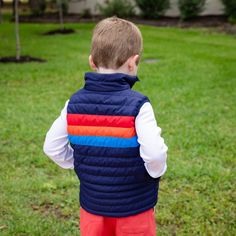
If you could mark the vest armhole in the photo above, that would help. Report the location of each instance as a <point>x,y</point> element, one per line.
<point>144,100</point>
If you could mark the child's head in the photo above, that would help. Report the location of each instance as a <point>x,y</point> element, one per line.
<point>116,45</point>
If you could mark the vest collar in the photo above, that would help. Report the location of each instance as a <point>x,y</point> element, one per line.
<point>109,82</point>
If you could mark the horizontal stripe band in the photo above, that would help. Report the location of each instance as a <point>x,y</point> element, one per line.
<point>104,141</point>
<point>106,152</point>
<point>100,120</point>
<point>101,131</point>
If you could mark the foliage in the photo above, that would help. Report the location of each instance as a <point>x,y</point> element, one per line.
<point>120,8</point>
<point>230,9</point>
<point>190,8</point>
<point>153,8</point>
<point>37,6</point>
<point>192,89</point>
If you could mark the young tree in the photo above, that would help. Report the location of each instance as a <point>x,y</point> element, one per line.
<point>60,7</point>
<point>18,47</point>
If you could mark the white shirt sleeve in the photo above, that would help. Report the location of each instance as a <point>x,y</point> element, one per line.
<point>56,144</point>
<point>152,147</point>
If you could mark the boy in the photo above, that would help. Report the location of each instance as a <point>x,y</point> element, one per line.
<point>108,134</point>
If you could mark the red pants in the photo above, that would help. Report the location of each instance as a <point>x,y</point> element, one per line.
<point>142,224</point>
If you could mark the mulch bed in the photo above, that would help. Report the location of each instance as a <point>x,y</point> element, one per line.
<point>201,21</point>
<point>23,59</point>
<point>59,31</point>
<point>53,18</point>
<point>219,23</point>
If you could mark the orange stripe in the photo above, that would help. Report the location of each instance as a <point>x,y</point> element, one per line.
<point>101,131</point>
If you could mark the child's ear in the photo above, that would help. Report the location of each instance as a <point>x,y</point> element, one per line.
<point>133,62</point>
<point>137,59</point>
<point>91,63</point>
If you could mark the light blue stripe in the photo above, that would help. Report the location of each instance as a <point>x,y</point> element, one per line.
<point>102,141</point>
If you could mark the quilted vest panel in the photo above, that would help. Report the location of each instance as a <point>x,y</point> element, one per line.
<point>101,130</point>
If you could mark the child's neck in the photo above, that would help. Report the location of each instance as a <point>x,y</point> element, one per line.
<point>111,71</point>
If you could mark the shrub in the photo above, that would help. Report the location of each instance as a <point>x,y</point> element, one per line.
<point>230,9</point>
<point>120,8</point>
<point>37,6</point>
<point>64,5</point>
<point>153,8</point>
<point>55,5</point>
<point>86,13</point>
<point>190,8</point>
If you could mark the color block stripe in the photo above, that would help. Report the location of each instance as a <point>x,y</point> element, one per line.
<point>101,131</point>
<point>100,120</point>
<point>104,141</point>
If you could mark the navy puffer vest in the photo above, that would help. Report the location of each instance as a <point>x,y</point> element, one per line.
<point>101,130</point>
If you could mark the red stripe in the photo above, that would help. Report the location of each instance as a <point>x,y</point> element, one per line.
<point>99,120</point>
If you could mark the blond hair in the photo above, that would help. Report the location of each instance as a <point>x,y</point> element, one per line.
<point>114,41</point>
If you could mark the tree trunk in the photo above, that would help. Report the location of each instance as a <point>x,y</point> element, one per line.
<point>17,30</point>
<point>61,14</point>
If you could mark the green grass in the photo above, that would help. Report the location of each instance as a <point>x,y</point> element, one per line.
<point>192,88</point>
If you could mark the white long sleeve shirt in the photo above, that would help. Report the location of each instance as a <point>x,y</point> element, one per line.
<point>153,150</point>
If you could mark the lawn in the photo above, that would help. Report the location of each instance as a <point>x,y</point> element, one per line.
<point>192,87</point>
